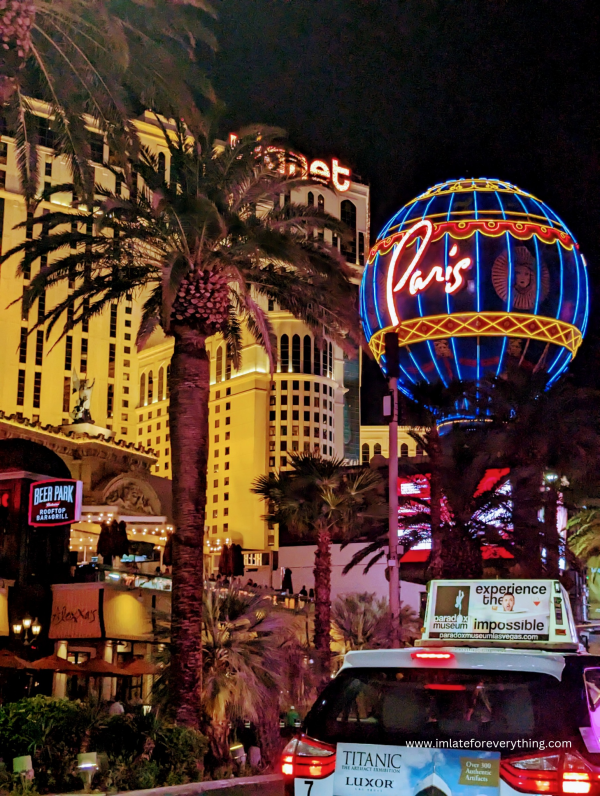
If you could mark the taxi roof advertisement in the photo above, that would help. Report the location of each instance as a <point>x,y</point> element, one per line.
<point>506,611</point>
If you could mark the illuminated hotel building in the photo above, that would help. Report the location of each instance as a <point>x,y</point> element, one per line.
<point>256,420</point>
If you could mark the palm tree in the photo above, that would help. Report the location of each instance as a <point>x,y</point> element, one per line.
<point>544,436</point>
<point>583,533</point>
<point>106,60</point>
<point>362,622</point>
<point>206,248</point>
<point>471,508</point>
<point>320,498</point>
<point>244,639</point>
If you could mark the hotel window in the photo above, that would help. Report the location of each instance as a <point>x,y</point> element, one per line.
<point>112,354</point>
<point>23,346</point>
<point>217,423</point>
<point>24,310</point>
<point>69,353</point>
<point>150,387</point>
<point>366,454</point>
<point>272,416</point>
<point>161,384</point>
<point>283,461</point>
<point>67,394</point>
<point>216,437</point>
<point>215,468</point>
<point>85,323</point>
<point>404,449</point>
<point>216,454</point>
<point>219,364</point>
<point>307,417</point>
<point>307,400</point>
<point>84,355</point>
<point>217,408</point>
<point>321,202</point>
<point>227,435</point>
<point>316,417</point>
<point>226,496</point>
<point>158,440</point>
<point>284,384</point>
<point>316,432</point>
<point>310,198</point>
<point>228,406</point>
<point>37,390</point>
<point>142,391</point>
<point>226,481</point>
<point>216,483</point>
<point>271,461</point>
<point>377,449</point>
<point>140,432</point>
<point>215,498</point>
<point>272,445</point>
<point>296,353</point>
<point>226,451</point>
<point>307,447</point>
<point>285,353</point>
<point>284,400</point>
<point>167,451</point>
<point>3,152</point>
<point>295,415</point>
<point>348,217</point>
<point>284,414</point>
<point>295,445</point>
<point>324,418</point>
<point>324,434</point>
<point>110,399</point>
<point>113,320</point>
<point>273,400</point>
<point>42,307</point>
<point>272,431</point>
<point>215,514</point>
<point>295,431</point>
<point>295,400</point>
<point>227,465</point>
<point>307,431</point>
<point>283,431</point>
<point>227,421</point>
<point>283,445</point>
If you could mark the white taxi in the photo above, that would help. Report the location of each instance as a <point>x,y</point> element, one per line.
<point>469,712</point>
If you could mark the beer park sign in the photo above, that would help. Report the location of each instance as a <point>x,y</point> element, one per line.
<point>55,502</point>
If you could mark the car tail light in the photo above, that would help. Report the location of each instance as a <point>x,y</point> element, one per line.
<point>551,774</point>
<point>305,757</point>
<point>431,656</point>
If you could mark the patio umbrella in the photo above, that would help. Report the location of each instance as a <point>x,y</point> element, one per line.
<point>52,663</point>
<point>139,666</point>
<point>97,667</point>
<point>8,660</point>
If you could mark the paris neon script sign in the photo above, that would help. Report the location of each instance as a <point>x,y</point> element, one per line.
<point>415,280</point>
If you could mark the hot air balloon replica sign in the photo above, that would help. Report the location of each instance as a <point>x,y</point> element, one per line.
<point>474,275</point>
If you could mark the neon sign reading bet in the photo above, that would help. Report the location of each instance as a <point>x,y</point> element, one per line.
<point>414,279</point>
<point>298,166</point>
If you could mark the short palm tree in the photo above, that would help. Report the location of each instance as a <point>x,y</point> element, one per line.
<point>362,622</point>
<point>320,498</point>
<point>207,248</point>
<point>583,534</point>
<point>106,59</point>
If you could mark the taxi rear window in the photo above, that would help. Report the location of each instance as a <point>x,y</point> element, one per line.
<point>393,706</point>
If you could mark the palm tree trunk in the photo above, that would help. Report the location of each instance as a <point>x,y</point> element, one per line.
<point>189,391</point>
<point>322,573</point>
<point>461,554</point>
<point>526,482</point>
<point>436,562</point>
<point>552,538</point>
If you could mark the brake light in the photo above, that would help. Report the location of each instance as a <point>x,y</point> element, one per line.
<point>305,757</point>
<point>431,656</point>
<point>444,687</point>
<point>551,774</point>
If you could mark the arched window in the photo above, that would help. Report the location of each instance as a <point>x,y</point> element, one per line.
<point>143,390</point>
<point>296,353</point>
<point>321,202</point>
<point>307,364</point>
<point>150,387</point>
<point>162,166</point>
<point>317,359</point>
<point>330,360</point>
<point>219,364</point>
<point>366,453</point>
<point>285,353</point>
<point>348,215</point>
<point>404,449</point>
<point>168,379</point>
<point>310,199</point>
<point>228,364</point>
<point>377,449</point>
<point>420,451</point>
<point>161,384</point>
<point>324,358</point>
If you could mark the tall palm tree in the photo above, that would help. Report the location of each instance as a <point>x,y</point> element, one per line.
<point>537,433</point>
<point>320,498</point>
<point>106,59</point>
<point>207,248</point>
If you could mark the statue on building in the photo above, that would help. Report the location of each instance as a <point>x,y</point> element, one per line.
<point>83,386</point>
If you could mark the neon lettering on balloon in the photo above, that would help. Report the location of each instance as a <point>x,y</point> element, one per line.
<point>413,278</point>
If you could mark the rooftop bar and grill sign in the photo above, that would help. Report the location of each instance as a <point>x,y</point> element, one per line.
<point>55,502</point>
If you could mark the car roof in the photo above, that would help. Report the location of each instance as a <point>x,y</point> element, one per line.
<point>513,660</point>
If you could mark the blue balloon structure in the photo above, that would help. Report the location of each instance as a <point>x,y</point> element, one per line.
<point>473,275</point>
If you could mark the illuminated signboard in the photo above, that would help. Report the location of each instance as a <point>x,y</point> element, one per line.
<point>55,502</point>
<point>474,276</point>
<point>509,611</point>
<point>295,165</point>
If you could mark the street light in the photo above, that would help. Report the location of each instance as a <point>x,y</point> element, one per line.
<point>26,625</point>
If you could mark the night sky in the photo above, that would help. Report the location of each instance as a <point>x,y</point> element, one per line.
<point>414,92</point>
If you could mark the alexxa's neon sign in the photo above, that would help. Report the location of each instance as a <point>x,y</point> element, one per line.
<point>413,279</point>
